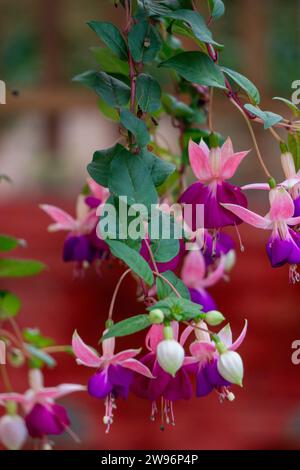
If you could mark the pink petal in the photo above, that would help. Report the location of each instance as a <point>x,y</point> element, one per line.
<point>231,164</point>
<point>97,190</point>
<point>226,150</point>
<point>282,205</point>
<point>248,216</point>
<point>175,328</point>
<point>185,334</point>
<point>264,186</point>
<point>18,397</point>
<point>202,349</point>
<point>64,221</point>
<point>293,220</point>
<point>240,339</point>
<point>124,356</point>
<point>291,182</point>
<point>225,335</point>
<point>215,275</point>
<point>59,391</point>
<point>153,337</point>
<point>138,367</point>
<point>85,355</point>
<point>199,160</point>
<point>188,360</point>
<point>193,270</point>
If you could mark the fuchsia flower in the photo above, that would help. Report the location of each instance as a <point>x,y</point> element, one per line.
<point>163,385</point>
<point>42,415</point>
<point>114,371</point>
<point>213,167</point>
<point>284,244</point>
<point>205,355</point>
<point>82,244</point>
<point>197,278</point>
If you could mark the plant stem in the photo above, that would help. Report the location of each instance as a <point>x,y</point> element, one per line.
<point>275,135</point>
<point>151,255</point>
<point>113,300</point>
<point>5,378</point>
<point>265,169</point>
<point>210,110</point>
<point>167,282</point>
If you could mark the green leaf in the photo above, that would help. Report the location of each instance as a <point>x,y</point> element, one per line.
<point>196,23</point>
<point>10,267</point>
<point>165,250</point>
<point>8,243</point>
<point>177,308</point>
<point>133,259</point>
<point>217,8</point>
<point>109,62</point>
<point>294,148</point>
<point>113,91</point>
<point>196,67</point>
<point>41,356</point>
<point>107,111</point>
<point>159,169</point>
<point>99,168</point>
<point>164,290</point>
<point>148,93</point>
<point>9,305</point>
<point>176,108</point>
<point>129,176</point>
<point>35,338</point>
<point>244,83</point>
<point>128,327</point>
<point>268,118</point>
<point>290,104</point>
<point>111,36</point>
<point>136,126</point>
<point>144,42</point>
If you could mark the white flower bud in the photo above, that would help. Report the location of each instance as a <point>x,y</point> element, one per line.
<point>214,317</point>
<point>230,367</point>
<point>156,316</point>
<point>288,165</point>
<point>13,432</point>
<point>170,355</point>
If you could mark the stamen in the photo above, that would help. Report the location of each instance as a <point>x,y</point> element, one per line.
<point>154,411</point>
<point>110,405</point>
<point>162,424</point>
<point>242,248</point>
<point>294,276</point>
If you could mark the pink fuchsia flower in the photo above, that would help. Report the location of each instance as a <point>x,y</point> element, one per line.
<point>82,244</point>
<point>114,371</point>
<point>197,278</point>
<point>42,415</point>
<point>213,167</point>
<point>284,244</point>
<point>163,386</point>
<point>205,355</point>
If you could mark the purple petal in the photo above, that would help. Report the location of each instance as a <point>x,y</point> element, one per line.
<point>179,387</point>
<point>92,201</point>
<point>223,245</point>
<point>99,385</point>
<point>203,385</point>
<point>120,378</point>
<point>42,421</point>
<point>203,298</point>
<point>213,375</point>
<point>297,207</point>
<point>151,389</point>
<point>284,251</point>
<point>77,248</point>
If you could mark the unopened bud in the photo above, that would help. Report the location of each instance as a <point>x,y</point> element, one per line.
<point>13,432</point>
<point>230,367</point>
<point>288,165</point>
<point>230,259</point>
<point>156,316</point>
<point>214,317</point>
<point>16,357</point>
<point>170,355</point>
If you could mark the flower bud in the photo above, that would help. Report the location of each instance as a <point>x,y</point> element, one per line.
<point>16,357</point>
<point>230,259</point>
<point>156,316</point>
<point>214,317</point>
<point>170,355</point>
<point>230,367</point>
<point>288,165</point>
<point>13,432</point>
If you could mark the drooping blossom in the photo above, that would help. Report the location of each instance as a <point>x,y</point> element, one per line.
<point>284,243</point>
<point>43,416</point>
<point>212,167</point>
<point>163,386</point>
<point>114,371</point>
<point>81,245</point>
<point>218,246</point>
<point>205,356</point>
<point>197,278</point>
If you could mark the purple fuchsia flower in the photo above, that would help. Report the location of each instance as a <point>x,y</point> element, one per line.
<point>206,357</point>
<point>43,416</point>
<point>163,386</point>
<point>197,277</point>
<point>114,372</point>
<point>81,245</point>
<point>213,167</point>
<point>216,247</point>
<point>284,244</point>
